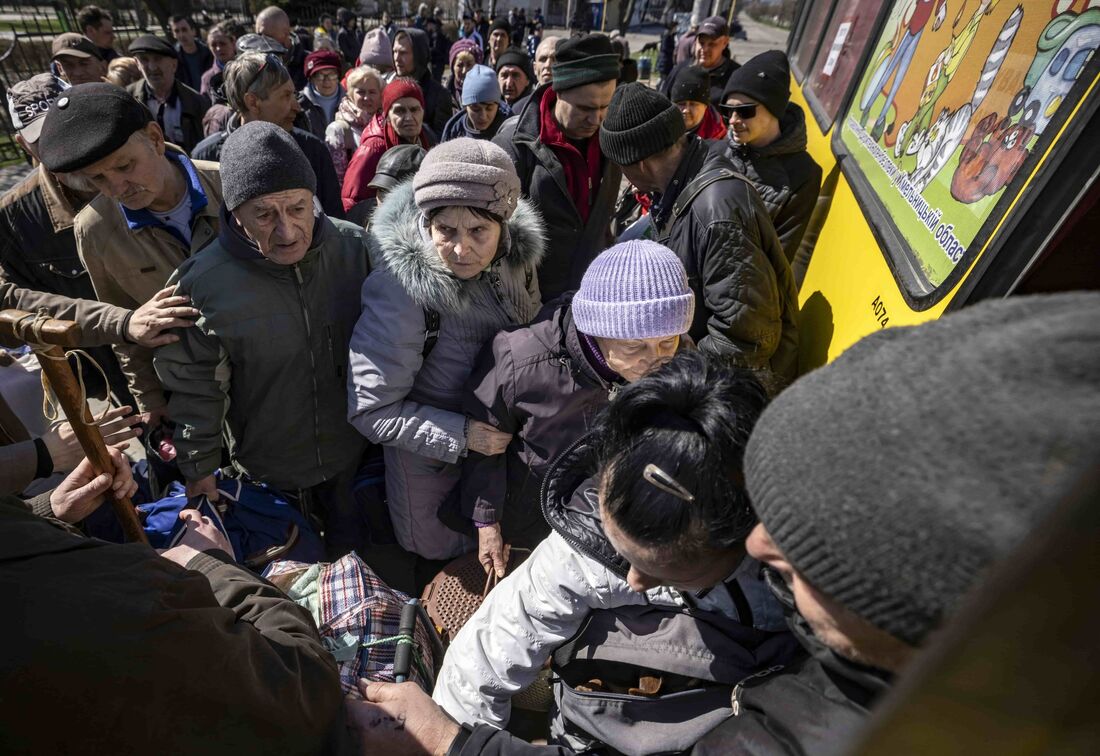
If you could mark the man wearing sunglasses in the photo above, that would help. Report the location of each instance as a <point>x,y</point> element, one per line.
<point>710,51</point>
<point>713,219</point>
<point>766,141</point>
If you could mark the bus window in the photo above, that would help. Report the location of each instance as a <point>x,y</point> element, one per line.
<point>810,37</point>
<point>839,58</point>
<point>954,110</point>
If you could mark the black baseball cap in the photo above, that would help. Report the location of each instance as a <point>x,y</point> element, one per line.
<point>713,26</point>
<point>29,101</point>
<point>67,142</point>
<point>73,45</point>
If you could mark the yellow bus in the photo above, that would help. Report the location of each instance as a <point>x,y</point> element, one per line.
<point>960,144</point>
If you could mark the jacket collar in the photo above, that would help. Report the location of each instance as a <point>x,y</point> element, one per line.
<point>572,347</point>
<point>695,154</point>
<point>136,219</point>
<point>397,242</point>
<point>173,96</point>
<point>58,201</point>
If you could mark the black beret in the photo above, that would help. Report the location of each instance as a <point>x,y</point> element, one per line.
<point>86,123</point>
<point>148,43</point>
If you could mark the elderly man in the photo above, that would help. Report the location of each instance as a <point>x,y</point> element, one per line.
<point>259,88</point>
<point>555,145</point>
<point>38,250</point>
<point>500,39</point>
<point>155,208</point>
<point>545,56</point>
<point>713,219</point>
<point>273,22</point>
<point>278,297</point>
<point>177,108</point>
<point>515,76</point>
<point>709,51</point>
<point>77,59</point>
<point>971,456</point>
<point>412,58</point>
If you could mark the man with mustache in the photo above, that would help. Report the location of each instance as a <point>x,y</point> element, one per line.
<point>155,208</point>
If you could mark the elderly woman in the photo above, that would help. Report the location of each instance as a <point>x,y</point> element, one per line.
<point>464,55</point>
<point>645,573</point>
<point>482,110</point>
<point>361,106</point>
<point>545,384</point>
<point>455,251</point>
<point>402,122</point>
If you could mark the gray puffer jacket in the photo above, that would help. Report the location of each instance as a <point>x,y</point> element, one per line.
<point>412,403</point>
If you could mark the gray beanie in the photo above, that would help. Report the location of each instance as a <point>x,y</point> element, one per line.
<point>634,290</point>
<point>261,158</point>
<point>893,478</point>
<point>467,172</point>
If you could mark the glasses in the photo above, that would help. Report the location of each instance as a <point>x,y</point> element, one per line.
<point>744,112</point>
<point>327,76</point>
<point>275,61</point>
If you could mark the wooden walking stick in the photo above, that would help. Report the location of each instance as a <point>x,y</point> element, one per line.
<point>48,338</point>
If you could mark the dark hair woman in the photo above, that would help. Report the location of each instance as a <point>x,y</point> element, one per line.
<point>645,575</point>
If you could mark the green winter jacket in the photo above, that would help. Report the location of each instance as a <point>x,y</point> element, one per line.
<point>268,356</point>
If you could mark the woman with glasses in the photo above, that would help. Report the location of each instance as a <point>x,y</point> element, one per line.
<point>767,142</point>
<point>323,89</point>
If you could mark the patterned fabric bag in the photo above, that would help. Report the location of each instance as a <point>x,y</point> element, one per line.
<point>359,618</point>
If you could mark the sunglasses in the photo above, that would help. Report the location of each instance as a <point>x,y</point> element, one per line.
<point>744,112</point>
<point>275,61</point>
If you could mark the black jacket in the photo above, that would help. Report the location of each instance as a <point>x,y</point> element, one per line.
<point>459,126</point>
<point>784,174</point>
<point>746,304</point>
<point>183,73</point>
<point>437,100</point>
<point>815,705</point>
<point>193,107</point>
<point>718,78</point>
<point>571,245</point>
<point>535,383</point>
<point>328,188</point>
<point>38,251</point>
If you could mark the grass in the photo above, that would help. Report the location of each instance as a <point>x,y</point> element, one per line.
<point>38,25</point>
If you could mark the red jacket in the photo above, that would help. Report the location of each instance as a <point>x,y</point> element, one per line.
<point>377,137</point>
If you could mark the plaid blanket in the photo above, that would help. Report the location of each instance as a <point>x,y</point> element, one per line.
<point>354,611</point>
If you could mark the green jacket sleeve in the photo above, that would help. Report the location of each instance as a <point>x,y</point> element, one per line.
<point>196,371</point>
<point>100,323</point>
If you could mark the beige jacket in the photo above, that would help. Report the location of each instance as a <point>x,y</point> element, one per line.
<point>128,267</point>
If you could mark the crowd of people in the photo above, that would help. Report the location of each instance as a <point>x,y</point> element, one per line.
<point>562,306</point>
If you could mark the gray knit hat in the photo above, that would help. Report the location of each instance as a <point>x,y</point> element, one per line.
<point>634,290</point>
<point>261,158</point>
<point>894,477</point>
<point>467,172</point>
<point>640,122</point>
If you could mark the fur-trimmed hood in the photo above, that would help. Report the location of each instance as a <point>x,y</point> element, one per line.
<point>397,243</point>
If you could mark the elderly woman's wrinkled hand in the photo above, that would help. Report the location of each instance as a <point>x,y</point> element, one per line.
<point>485,439</point>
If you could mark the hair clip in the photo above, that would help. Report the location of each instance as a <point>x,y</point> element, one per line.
<point>662,480</point>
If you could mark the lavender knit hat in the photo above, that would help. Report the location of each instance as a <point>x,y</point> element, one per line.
<point>634,290</point>
<point>467,172</point>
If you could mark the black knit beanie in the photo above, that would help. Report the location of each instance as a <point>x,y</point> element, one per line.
<point>894,477</point>
<point>584,60</point>
<point>766,79</point>
<point>640,122</point>
<point>692,85</point>
<point>500,24</point>
<point>513,56</point>
<point>261,158</point>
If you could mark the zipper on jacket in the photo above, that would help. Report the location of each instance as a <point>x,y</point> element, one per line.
<point>312,362</point>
